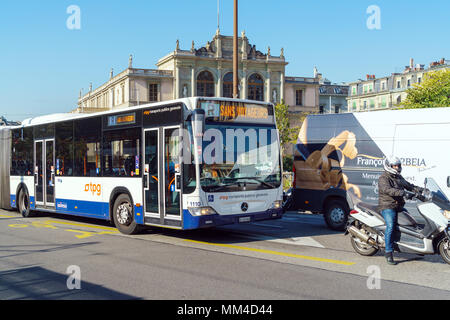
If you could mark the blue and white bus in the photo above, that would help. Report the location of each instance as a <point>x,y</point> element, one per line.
<point>183,164</point>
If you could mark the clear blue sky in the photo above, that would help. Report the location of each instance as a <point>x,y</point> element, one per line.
<point>44,65</point>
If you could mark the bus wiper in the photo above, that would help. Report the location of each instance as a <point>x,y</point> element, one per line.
<point>267,184</point>
<point>214,188</point>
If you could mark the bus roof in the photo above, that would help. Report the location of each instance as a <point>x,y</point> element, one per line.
<point>190,103</point>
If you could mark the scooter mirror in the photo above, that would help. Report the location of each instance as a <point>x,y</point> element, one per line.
<point>448,182</point>
<point>425,182</point>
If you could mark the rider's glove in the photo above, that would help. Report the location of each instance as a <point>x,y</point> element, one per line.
<point>409,195</point>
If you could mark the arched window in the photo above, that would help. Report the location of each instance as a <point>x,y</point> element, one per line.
<point>228,85</point>
<point>256,87</point>
<point>205,84</point>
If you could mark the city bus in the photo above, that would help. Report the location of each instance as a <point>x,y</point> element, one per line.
<point>183,164</point>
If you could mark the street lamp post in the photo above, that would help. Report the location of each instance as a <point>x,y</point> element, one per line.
<point>235,52</point>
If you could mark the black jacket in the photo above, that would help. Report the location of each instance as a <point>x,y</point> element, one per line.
<point>391,190</point>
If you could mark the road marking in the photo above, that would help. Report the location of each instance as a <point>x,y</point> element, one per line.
<point>73,224</point>
<point>18,226</point>
<point>284,254</point>
<point>298,241</point>
<point>88,234</point>
<point>43,224</point>
<point>6,216</point>
<point>82,234</point>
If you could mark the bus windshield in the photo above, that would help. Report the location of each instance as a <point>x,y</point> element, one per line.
<point>240,157</point>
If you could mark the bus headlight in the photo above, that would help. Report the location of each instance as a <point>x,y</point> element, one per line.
<point>277,204</point>
<point>202,211</point>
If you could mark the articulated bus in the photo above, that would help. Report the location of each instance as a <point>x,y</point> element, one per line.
<point>185,164</point>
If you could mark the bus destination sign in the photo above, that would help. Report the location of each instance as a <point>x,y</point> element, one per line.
<point>122,119</point>
<point>237,112</point>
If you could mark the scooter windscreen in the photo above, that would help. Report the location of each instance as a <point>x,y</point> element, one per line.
<point>436,195</point>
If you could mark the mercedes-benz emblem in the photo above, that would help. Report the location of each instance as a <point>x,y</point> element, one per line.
<point>244,206</point>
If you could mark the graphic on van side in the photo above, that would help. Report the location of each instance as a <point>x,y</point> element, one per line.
<point>337,155</point>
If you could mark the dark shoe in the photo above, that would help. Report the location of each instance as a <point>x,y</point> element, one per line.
<point>390,259</point>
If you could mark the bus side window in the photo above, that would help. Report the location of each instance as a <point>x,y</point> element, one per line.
<point>22,152</point>
<point>64,148</point>
<point>87,153</point>
<point>121,153</point>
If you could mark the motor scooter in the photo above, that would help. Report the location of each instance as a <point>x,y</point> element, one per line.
<point>426,236</point>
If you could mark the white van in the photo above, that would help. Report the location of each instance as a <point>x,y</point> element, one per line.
<point>344,152</point>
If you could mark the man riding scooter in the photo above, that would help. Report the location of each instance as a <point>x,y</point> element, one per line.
<point>391,191</point>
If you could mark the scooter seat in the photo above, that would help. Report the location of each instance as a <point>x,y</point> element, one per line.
<point>372,209</point>
<point>404,219</point>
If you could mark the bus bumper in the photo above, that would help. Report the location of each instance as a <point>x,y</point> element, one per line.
<point>196,222</point>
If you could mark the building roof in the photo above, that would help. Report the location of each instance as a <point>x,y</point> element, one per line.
<point>443,63</point>
<point>334,89</point>
<point>221,47</point>
<point>305,80</point>
<point>5,122</point>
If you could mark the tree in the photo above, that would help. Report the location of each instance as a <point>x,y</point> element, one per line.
<point>433,92</point>
<point>286,124</point>
<point>288,134</point>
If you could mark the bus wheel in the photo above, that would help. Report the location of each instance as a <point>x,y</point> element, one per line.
<point>23,204</point>
<point>336,214</point>
<point>123,215</point>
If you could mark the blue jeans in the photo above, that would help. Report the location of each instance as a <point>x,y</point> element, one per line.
<point>390,217</point>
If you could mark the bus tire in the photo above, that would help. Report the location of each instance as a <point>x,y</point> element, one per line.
<point>23,204</point>
<point>123,215</point>
<point>336,214</point>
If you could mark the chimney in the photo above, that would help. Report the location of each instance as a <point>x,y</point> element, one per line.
<point>411,63</point>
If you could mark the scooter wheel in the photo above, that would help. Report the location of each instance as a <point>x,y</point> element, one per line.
<point>444,250</point>
<point>363,248</point>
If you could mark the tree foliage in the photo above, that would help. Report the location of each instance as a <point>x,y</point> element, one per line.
<point>433,92</point>
<point>287,133</point>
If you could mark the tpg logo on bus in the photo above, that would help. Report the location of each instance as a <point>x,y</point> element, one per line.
<point>94,188</point>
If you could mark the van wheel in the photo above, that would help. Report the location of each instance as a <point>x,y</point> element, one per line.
<point>336,215</point>
<point>23,204</point>
<point>123,215</point>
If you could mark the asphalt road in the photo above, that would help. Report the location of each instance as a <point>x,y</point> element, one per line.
<point>294,258</point>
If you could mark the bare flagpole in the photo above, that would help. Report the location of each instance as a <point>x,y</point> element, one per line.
<point>218,14</point>
<point>235,52</point>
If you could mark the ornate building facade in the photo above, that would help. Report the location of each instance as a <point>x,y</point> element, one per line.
<point>206,71</point>
<point>388,92</point>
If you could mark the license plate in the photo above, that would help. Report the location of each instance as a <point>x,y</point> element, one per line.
<point>244,219</point>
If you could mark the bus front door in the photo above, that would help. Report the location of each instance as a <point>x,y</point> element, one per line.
<point>162,176</point>
<point>151,176</point>
<point>44,173</point>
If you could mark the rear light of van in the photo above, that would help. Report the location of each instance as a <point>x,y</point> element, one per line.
<point>354,212</point>
<point>294,182</point>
